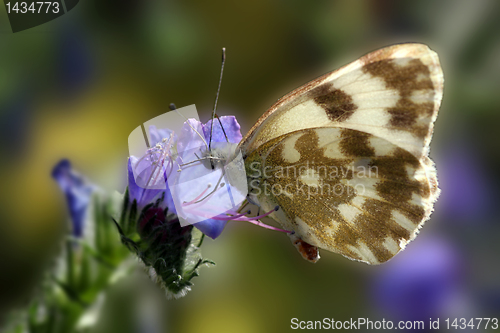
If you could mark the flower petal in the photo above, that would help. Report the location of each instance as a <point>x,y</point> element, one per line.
<point>190,139</point>
<point>231,128</point>
<point>136,192</point>
<point>146,196</point>
<point>157,135</point>
<point>211,228</point>
<point>78,193</point>
<point>202,187</point>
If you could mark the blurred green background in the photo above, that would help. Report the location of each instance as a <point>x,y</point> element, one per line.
<point>77,86</point>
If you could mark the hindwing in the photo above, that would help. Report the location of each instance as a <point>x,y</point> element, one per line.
<point>344,190</point>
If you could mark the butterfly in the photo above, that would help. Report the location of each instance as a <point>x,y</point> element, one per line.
<point>345,156</point>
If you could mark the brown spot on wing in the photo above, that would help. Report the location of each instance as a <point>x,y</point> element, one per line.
<point>337,104</point>
<point>318,206</point>
<point>396,185</point>
<point>406,79</point>
<point>355,143</point>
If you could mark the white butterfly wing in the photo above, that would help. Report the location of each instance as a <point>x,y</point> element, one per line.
<point>344,191</point>
<point>375,112</point>
<point>393,93</point>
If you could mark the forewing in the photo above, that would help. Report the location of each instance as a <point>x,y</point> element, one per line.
<point>393,93</point>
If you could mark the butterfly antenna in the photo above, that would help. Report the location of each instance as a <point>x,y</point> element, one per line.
<point>217,100</point>
<point>222,127</point>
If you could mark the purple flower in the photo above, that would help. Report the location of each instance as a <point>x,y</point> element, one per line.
<point>467,194</point>
<point>78,193</point>
<point>424,281</point>
<point>157,135</point>
<point>193,139</point>
<point>231,128</point>
<point>144,196</point>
